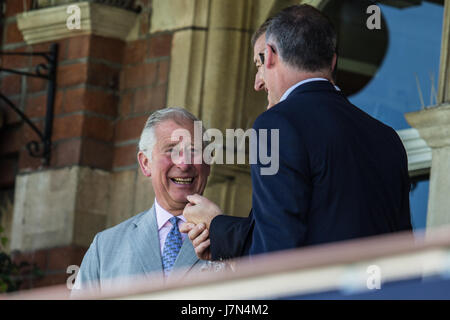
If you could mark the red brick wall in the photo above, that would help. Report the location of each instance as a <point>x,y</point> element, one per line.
<point>143,89</point>
<point>52,263</point>
<point>85,105</point>
<point>106,89</point>
<point>10,132</point>
<point>86,98</point>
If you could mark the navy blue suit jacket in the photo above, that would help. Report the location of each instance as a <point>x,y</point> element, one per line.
<point>342,175</point>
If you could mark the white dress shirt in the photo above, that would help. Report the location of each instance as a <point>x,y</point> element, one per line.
<point>289,91</point>
<point>164,225</point>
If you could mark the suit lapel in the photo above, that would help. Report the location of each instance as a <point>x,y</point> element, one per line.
<point>145,241</point>
<point>186,258</point>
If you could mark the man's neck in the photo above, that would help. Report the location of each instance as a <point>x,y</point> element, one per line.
<point>292,77</point>
<point>171,210</point>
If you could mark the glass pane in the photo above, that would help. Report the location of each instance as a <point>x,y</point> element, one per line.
<point>406,80</point>
<point>418,198</point>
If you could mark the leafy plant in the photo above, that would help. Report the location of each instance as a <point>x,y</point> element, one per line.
<point>11,273</point>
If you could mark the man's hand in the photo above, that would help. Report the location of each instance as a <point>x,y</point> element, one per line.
<point>200,210</point>
<point>199,236</point>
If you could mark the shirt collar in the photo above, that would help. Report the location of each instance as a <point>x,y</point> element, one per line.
<point>162,215</point>
<point>295,86</point>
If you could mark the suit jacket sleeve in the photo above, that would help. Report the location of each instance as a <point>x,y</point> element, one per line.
<point>230,236</point>
<point>87,280</point>
<point>281,199</point>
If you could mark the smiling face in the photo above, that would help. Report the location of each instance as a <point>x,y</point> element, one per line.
<point>173,180</point>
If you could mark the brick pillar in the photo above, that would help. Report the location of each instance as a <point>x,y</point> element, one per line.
<point>143,89</point>
<point>85,105</point>
<point>11,86</point>
<point>58,209</point>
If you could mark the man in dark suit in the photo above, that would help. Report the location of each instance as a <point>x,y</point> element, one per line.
<point>342,173</point>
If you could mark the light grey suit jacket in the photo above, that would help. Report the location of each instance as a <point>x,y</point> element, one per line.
<point>130,249</point>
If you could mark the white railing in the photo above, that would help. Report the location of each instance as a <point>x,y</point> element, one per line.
<point>344,267</point>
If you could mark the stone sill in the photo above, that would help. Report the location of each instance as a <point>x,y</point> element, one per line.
<point>50,24</point>
<point>433,125</point>
<point>419,154</point>
<point>127,5</point>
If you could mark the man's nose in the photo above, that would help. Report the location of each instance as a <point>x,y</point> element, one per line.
<point>183,161</point>
<point>183,166</point>
<point>259,83</point>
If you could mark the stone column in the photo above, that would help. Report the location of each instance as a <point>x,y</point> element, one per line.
<point>59,207</point>
<point>434,127</point>
<point>444,75</point>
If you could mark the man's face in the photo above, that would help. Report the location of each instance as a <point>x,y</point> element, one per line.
<point>258,51</point>
<point>173,181</point>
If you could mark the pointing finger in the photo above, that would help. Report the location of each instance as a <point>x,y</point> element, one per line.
<point>195,198</point>
<point>201,238</point>
<point>186,227</point>
<point>196,231</point>
<point>202,252</point>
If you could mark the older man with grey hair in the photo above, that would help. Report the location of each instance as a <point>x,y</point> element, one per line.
<point>150,243</point>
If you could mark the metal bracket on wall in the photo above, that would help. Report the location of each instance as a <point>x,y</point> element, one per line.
<point>45,71</point>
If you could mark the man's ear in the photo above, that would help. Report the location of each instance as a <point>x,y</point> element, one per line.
<point>208,169</point>
<point>271,58</point>
<point>334,63</point>
<point>144,163</point>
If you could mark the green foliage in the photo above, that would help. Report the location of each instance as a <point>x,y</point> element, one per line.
<point>11,273</point>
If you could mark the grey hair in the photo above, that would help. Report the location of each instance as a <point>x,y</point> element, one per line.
<point>260,31</point>
<point>148,139</point>
<point>304,37</point>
